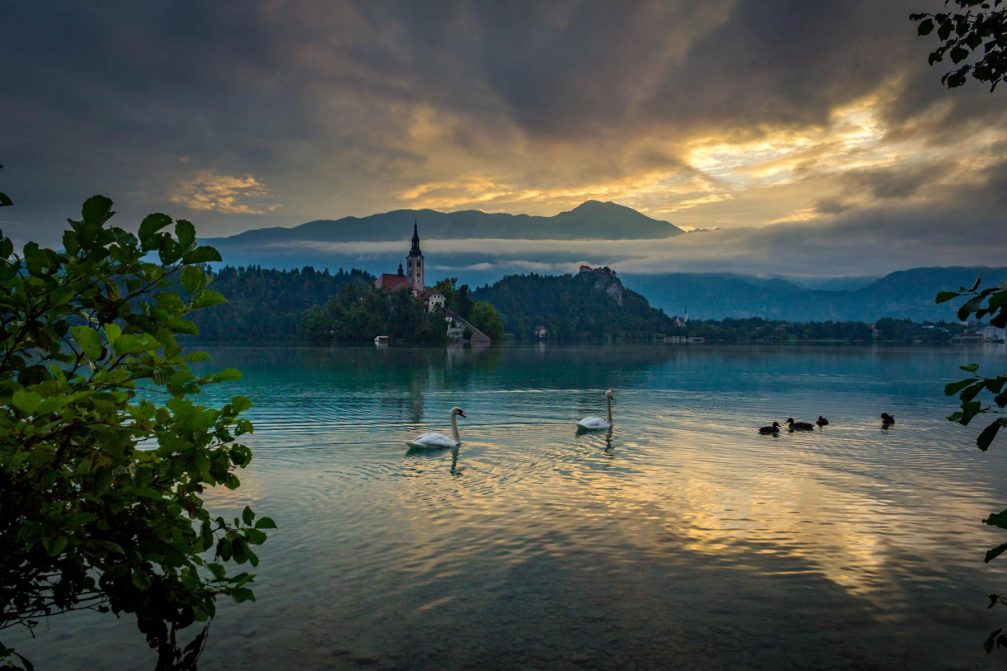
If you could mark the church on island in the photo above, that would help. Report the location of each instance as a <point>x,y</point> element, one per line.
<point>412,278</point>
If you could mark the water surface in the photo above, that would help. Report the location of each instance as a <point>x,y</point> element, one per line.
<point>683,539</point>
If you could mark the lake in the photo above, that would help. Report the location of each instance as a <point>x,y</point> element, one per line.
<point>685,539</point>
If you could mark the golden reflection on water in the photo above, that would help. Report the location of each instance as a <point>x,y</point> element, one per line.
<point>681,525</point>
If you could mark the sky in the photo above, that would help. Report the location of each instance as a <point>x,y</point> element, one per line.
<point>813,136</point>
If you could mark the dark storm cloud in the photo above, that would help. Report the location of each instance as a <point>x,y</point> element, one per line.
<point>253,114</point>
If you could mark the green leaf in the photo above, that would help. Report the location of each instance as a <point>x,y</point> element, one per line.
<point>970,368</point>
<point>97,210</point>
<point>955,387</point>
<point>995,552</point>
<point>193,278</point>
<point>26,401</point>
<point>5,200</point>
<point>112,333</point>
<point>925,27</point>
<point>88,340</point>
<point>240,403</point>
<point>226,375</point>
<point>54,545</point>
<point>987,435</point>
<point>134,344</point>
<point>201,255</point>
<point>945,296</point>
<point>207,298</point>
<point>185,232</point>
<point>265,523</point>
<point>151,224</point>
<point>247,515</point>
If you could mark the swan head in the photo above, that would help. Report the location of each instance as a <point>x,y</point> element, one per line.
<point>457,411</point>
<point>609,394</point>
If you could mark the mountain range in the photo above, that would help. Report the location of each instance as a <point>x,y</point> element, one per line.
<point>591,220</point>
<point>378,243</point>
<point>906,294</point>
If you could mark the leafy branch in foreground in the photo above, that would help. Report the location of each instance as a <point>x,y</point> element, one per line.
<point>980,395</point>
<point>962,34</point>
<point>103,457</point>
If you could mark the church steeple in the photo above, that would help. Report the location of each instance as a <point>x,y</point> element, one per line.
<point>414,262</point>
<point>415,250</point>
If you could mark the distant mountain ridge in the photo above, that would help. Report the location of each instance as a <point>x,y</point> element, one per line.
<point>591,220</point>
<point>906,294</point>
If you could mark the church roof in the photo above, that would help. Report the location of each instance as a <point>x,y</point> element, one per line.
<point>390,281</point>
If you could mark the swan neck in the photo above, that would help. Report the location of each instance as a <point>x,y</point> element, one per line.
<point>608,402</point>
<point>454,428</point>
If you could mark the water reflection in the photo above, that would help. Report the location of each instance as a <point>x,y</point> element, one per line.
<point>678,536</point>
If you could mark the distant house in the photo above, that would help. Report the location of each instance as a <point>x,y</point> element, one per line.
<point>993,334</point>
<point>540,332</point>
<point>433,298</point>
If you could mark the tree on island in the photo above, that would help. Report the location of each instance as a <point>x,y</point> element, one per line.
<point>104,458</point>
<point>981,23</point>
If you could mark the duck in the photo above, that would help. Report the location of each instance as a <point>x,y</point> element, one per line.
<point>439,440</point>
<point>597,423</point>
<point>799,426</point>
<point>886,419</point>
<point>773,429</point>
<point>821,421</point>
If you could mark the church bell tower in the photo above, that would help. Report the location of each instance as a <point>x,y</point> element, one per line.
<point>414,263</point>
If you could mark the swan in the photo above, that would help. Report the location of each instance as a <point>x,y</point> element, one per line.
<point>597,423</point>
<point>886,419</point>
<point>773,429</point>
<point>799,426</point>
<point>439,440</point>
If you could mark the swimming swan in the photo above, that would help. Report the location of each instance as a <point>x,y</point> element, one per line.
<point>597,423</point>
<point>437,440</point>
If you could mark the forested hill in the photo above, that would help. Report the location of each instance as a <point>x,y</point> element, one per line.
<point>590,306</point>
<point>265,304</point>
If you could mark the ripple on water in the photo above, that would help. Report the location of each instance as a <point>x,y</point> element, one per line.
<point>682,536</point>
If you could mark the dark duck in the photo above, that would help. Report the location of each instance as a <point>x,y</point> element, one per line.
<point>773,429</point>
<point>799,426</point>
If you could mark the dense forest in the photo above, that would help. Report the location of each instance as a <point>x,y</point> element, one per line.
<point>264,304</point>
<point>590,306</point>
<point>358,313</point>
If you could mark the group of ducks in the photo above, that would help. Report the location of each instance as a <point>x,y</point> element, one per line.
<point>439,440</point>
<point>774,428</point>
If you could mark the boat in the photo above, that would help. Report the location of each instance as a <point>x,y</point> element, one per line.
<point>380,340</point>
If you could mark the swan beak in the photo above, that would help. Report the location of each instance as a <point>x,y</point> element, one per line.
<point>461,413</point>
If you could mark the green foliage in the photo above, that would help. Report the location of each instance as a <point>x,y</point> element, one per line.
<point>974,39</point>
<point>358,312</point>
<point>977,394</point>
<point>485,318</point>
<point>104,457</point>
<point>263,304</point>
<point>986,396</point>
<point>590,306</point>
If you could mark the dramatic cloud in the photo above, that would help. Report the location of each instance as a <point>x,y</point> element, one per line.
<point>210,191</point>
<point>790,126</point>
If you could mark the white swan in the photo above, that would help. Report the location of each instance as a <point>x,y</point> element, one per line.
<point>438,440</point>
<point>597,423</point>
